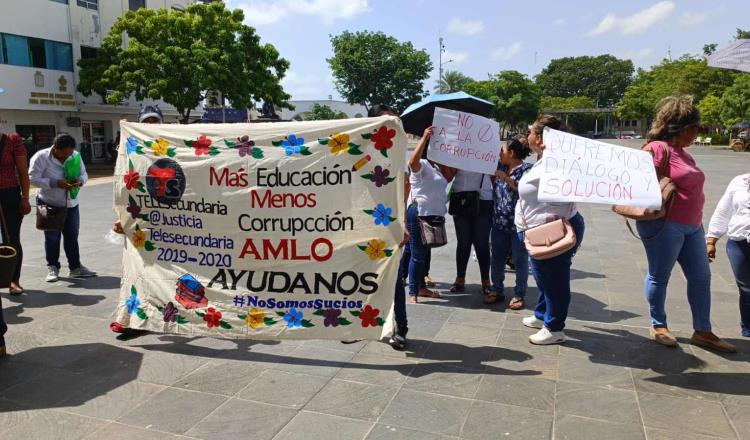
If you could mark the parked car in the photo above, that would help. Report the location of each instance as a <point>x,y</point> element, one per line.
<point>628,135</point>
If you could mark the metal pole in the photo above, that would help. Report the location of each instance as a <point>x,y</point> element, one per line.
<point>440,69</point>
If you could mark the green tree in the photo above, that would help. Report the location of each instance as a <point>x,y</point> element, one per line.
<point>710,48</point>
<point>453,81</point>
<point>371,68</point>
<point>710,108</point>
<point>177,56</point>
<point>602,78</point>
<point>323,112</point>
<point>515,96</point>
<point>741,34</point>
<point>688,74</point>
<point>572,103</point>
<point>735,102</point>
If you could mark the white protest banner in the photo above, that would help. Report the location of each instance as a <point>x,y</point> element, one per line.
<point>268,230</point>
<point>465,141</point>
<point>578,169</point>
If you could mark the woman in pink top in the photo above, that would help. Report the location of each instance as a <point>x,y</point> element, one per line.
<point>679,238</point>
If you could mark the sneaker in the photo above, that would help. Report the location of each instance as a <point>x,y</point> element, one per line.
<point>53,274</point>
<point>82,272</point>
<point>546,337</point>
<point>398,339</point>
<point>531,321</point>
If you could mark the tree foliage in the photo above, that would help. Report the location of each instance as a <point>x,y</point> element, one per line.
<point>687,74</point>
<point>602,78</point>
<point>572,103</point>
<point>453,81</point>
<point>741,33</point>
<point>323,112</point>
<point>710,108</point>
<point>735,102</point>
<point>371,68</point>
<point>177,56</point>
<point>515,96</point>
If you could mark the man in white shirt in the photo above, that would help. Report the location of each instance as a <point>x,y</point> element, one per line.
<point>47,172</point>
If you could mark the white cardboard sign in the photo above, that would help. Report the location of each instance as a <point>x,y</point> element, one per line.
<point>578,169</point>
<point>465,141</point>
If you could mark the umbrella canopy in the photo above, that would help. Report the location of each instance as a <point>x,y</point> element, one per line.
<point>741,125</point>
<point>418,116</point>
<point>735,56</point>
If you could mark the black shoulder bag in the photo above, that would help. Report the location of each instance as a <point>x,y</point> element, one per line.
<point>465,203</point>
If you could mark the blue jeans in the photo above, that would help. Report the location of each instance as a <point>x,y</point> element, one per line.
<point>553,282</point>
<point>503,243</point>
<point>474,231</point>
<point>69,236</point>
<point>678,243</point>
<point>739,258</point>
<point>419,254</point>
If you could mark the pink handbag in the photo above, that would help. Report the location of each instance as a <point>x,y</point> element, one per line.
<point>550,239</point>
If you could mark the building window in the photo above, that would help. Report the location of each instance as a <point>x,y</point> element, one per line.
<point>88,52</point>
<point>36,137</point>
<point>136,4</point>
<point>89,4</point>
<point>65,2</point>
<point>35,52</point>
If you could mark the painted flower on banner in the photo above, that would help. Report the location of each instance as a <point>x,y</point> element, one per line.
<point>339,143</point>
<point>256,318</point>
<point>369,316</point>
<point>139,238</point>
<point>382,214</point>
<point>293,318</point>
<point>380,176</point>
<point>132,303</point>
<point>131,144</point>
<point>212,317</point>
<point>293,145</point>
<point>160,147</point>
<point>331,317</point>
<point>169,312</point>
<point>131,179</point>
<point>245,145</point>
<point>202,145</point>
<point>133,208</point>
<point>383,139</point>
<point>375,249</point>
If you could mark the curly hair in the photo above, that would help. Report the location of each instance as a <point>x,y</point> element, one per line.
<point>673,115</point>
<point>548,121</point>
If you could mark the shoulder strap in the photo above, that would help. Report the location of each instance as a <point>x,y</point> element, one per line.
<point>6,237</point>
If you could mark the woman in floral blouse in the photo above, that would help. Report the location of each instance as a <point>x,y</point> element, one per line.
<point>504,236</point>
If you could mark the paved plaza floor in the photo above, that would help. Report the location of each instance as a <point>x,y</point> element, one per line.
<point>468,373</point>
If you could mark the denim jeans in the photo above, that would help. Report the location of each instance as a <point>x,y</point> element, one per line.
<point>69,236</point>
<point>10,200</point>
<point>419,254</point>
<point>739,258</point>
<point>403,266</point>
<point>553,282</point>
<point>677,243</point>
<point>474,231</point>
<point>502,244</point>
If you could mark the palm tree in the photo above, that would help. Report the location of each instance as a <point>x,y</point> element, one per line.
<point>452,81</point>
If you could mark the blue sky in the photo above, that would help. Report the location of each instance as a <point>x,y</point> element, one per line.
<point>483,36</point>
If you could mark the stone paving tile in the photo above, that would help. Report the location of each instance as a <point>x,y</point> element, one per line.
<point>581,370</point>
<point>569,427</point>
<point>595,402</point>
<point>55,425</point>
<point>468,334</point>
<point>103,402</point>
<point>444,379</point>
<point>427,412</point>
<point>686,416</point>
<point>283,388</point>
<point>526,391</point>
<point>322,426</point>
<point>52,388</point>
<point>236,418</point>
<point>220,377</point>
<point>546,366</point>
<point>377,370</point>
<point>118,431</point>
<point>740,417</point>
<point>385,432</point>
<point>661,434</point>
<point>352,400</point>
<point>492,421</point>
<point>167,410</point>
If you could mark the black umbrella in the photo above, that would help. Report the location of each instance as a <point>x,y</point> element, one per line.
<point>741,125</point>
<point>419,116</point>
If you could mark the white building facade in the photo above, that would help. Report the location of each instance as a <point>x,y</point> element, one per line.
<point>41,42</point>
<point>303,108</point>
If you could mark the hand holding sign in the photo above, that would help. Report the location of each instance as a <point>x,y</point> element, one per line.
<point>465,141</point>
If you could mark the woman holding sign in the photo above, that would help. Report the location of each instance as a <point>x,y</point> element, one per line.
<point>732,218</point>
<point>552,275</point>
<point>428,194</point>
<point>679,237</point>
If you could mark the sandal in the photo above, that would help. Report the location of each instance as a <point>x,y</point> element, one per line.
<point>429,282</point>
<point>457,288</point>
<point>16,290</point>
<point>412,300</point>
<point>427,293</point>
<point>516,303</point>
<point>491,297</point>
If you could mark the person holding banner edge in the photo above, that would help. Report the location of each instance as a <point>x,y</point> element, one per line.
<point>679,238</point>
<point>552,275</point>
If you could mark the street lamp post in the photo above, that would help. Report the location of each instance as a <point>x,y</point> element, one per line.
<point>440,64</point>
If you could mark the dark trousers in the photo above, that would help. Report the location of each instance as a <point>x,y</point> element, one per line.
<point>69,236</point>
<point>553,282</point>
<point>474,231</point>
<point>739,258</point>
<point>10,200</point>
<point>3,326</point>
<point>399,302</point>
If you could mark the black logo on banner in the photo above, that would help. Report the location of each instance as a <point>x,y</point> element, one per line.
<point>165,181</point>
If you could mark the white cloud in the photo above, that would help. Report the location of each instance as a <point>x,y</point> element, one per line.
<point>260,13</point>
<point>506,53</point>
<point>465,27</point>
<point>457,57</point>
<point>306,85</point>
<point>560,22</point>
<point>638,22</point>
<point>636,54</point>
<point>693,18</point>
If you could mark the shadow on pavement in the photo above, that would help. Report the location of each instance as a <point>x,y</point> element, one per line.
<point>100,369</point>
<point>99,282</point>
<point>40,299</point>
<point>576,274</point>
